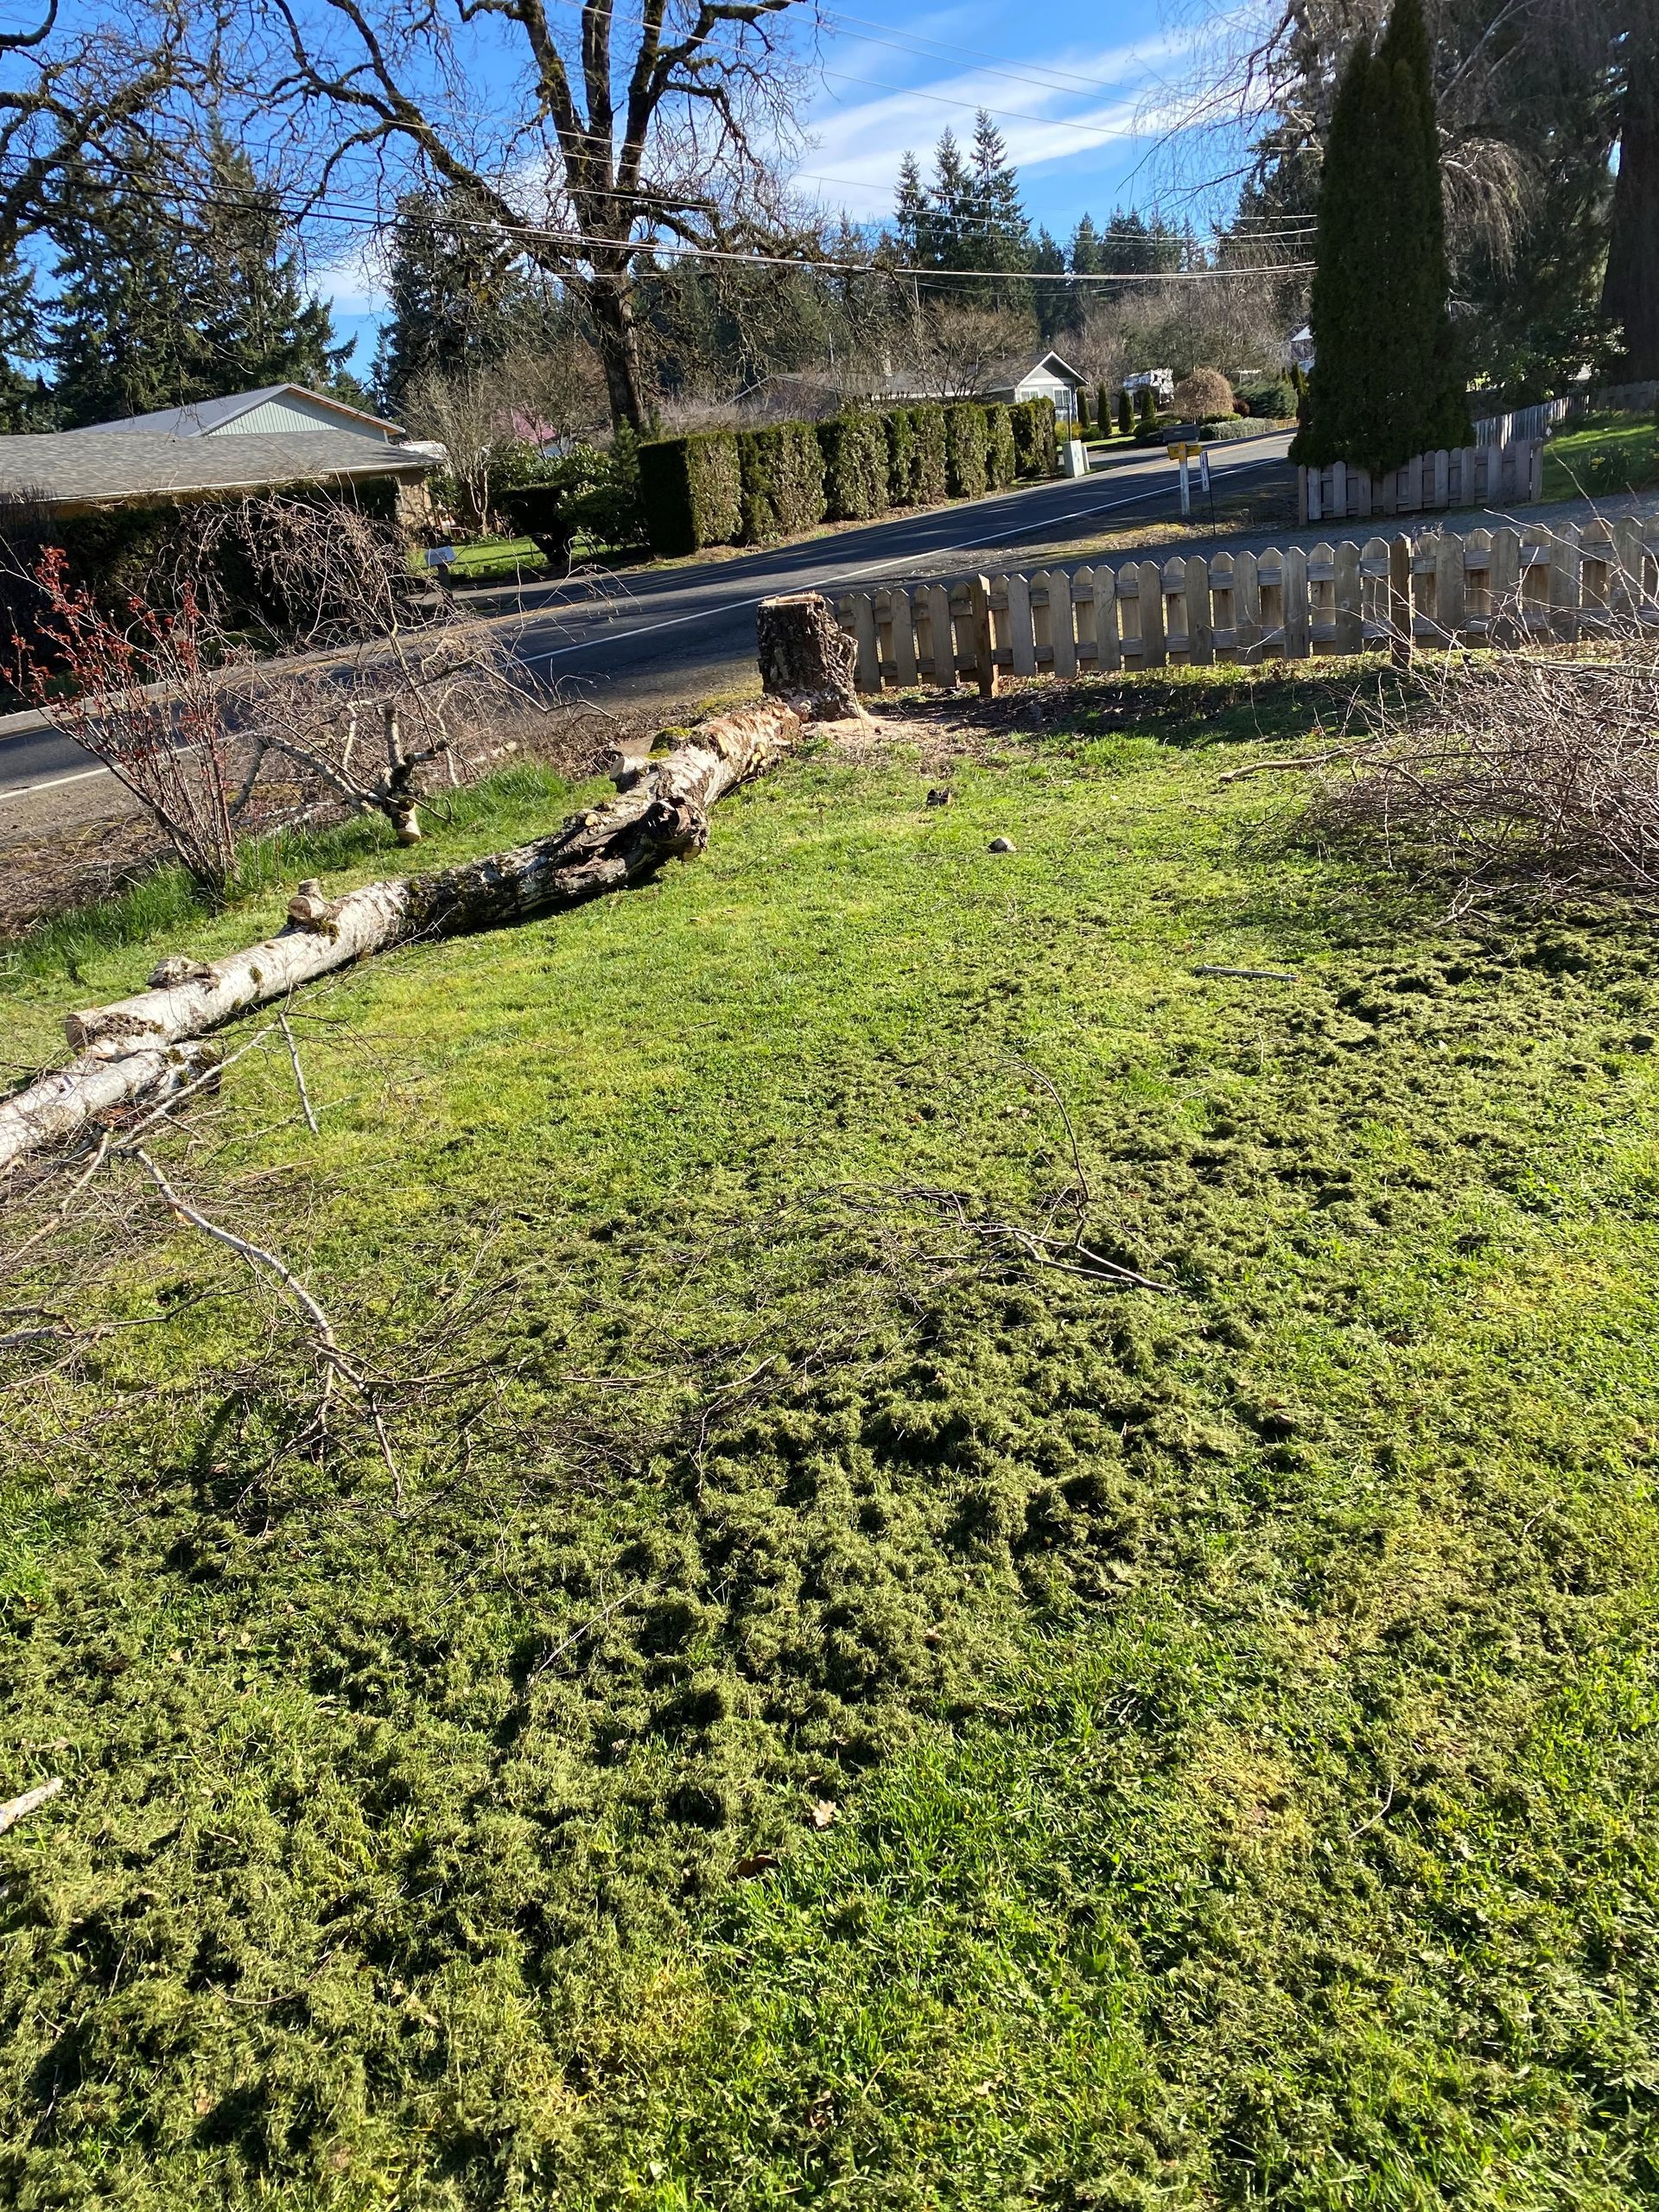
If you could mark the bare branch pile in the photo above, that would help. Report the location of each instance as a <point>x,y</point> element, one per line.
<point>1509,774</point>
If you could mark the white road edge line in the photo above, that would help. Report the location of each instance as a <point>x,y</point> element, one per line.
<point>846,575</point>
<point>27,791</point>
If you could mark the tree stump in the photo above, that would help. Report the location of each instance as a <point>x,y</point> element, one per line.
<point>805,659</point>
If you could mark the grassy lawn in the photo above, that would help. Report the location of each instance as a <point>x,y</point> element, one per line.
<point>1604,452</point>
<point>842,1718</point>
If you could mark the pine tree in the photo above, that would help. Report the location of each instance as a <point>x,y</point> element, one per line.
<point>1084,256</point>
<point>456,295</point>
<point>257,327</point>
<point>950,210</point>
<point>1000,233</point>
<point>124,334</point>
<point>910,210</point>
<point>1386,383</point>
<point>25,402</point>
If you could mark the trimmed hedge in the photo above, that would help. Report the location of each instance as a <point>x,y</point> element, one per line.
<point>854,450</point>
<point>691,491</point>
<point>930,478</point>
<point>999,447</point>
<point>781,469</point>
<point>899,430</point>
<point>1033,438</point>
<point>965,434</point>
<point>748,487</point>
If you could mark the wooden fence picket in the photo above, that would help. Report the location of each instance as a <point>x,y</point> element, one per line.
<point>1492,588</point>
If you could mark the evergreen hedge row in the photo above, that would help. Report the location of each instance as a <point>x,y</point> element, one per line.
<point>999,447</point>
<point>781,469</point>
<point>1033,438</point>
<point>748,487</point>
<point>964,450</point>
<point>854,449</point>
<point>691,491</point>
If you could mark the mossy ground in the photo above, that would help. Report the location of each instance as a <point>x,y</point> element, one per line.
<point>1238,1707</point>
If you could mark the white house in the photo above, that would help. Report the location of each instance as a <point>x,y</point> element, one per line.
<point>1048,377</point>
<point>275,410</point>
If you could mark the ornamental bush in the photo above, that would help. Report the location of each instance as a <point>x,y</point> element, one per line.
<point>1033,438</point>
<point>1145,404</point>
<point>854,450</point>
<point>965,434</point>
<point>1085,410</point>
<point>782,474</point>
<point>1205,395</point>
<point>1125,415</point>
<point>691,491</point>
<point>999,459</point>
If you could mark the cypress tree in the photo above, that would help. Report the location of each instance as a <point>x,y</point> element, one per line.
<point>1386,383</point>
<point>1125,415</point>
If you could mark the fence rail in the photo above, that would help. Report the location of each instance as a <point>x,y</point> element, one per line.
<point>1483,475</point>
<point>1498,589</point>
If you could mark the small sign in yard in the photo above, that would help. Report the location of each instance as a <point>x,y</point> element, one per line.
<point>440,557</point>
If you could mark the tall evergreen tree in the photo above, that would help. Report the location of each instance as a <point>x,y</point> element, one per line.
<point>1630,293</point>
<point>910,210</point>
<point>124,334</point>
<point>1084,254</point>
<point>1386,383</point>
<point>456,292</point>
<point>258,326</point>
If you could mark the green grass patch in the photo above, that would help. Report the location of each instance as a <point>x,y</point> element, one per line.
<point>1605,453</point>
<point>1233,1712</point>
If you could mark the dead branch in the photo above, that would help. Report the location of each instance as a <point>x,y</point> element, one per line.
<point>19,1809</point>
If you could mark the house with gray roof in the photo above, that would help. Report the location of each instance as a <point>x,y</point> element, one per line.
<point>72,472</point>
<point>278,409</point>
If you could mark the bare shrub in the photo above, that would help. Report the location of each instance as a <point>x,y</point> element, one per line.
<point>144,700</point>
<point>1518,775</point>
<point>1203,394</point>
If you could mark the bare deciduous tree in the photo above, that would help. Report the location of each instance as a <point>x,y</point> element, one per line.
<point>584,175</point>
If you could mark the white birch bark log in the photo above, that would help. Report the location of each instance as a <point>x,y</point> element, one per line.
<point>661,813</point>
<point>64,1101</point>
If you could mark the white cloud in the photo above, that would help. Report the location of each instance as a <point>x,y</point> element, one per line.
<point>857,144</point>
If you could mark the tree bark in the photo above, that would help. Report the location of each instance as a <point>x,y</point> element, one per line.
<point>610,301</point>
<point>64,1101</point>
<point>805,658</point>
<point>1631,290</point>
<point>661,814</point>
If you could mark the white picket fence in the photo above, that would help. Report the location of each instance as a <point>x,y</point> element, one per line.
<point>1497,589</point>
<point>1469,476</point>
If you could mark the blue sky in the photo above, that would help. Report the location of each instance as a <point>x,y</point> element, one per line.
<point>1075,116</point>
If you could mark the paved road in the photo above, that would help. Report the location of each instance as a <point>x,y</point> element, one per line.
<point>669,638</point>
<point>676,636</point>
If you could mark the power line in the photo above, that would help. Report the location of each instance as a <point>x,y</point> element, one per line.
<point>578,242</point>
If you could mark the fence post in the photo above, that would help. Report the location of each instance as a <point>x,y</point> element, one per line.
<point>984,645</point>
<point>1200,636</point>
<point>1061,635</point>
<point>1298,642</point>
<point>1247,610</point>
<point>941,637</point>
<point>1153,654</point>
<point>1400,641</point>
<point>1022,642</point>
<point>901,626</point>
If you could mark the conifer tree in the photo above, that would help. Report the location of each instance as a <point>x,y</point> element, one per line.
<point>909,210</point>
<point>125,331</point>
<point>457,297</point>
<point>258,326</point>
<point>1386,382</point>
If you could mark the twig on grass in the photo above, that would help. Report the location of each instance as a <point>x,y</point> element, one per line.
<point>299,1074</point>
<point>19,1809</point>
<point>325,1343</point>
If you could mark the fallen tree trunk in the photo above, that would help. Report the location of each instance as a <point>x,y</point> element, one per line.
<point>64,1101</point>
<point>661,814</point>
<point>139,1046</point>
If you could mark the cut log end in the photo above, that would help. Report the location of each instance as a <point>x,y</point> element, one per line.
<point>805,658</point>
